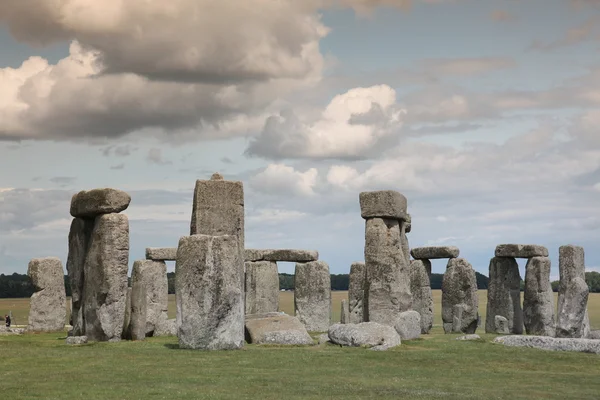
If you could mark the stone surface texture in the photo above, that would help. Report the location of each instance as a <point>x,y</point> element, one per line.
<point>126,333</point>
<point>408,325</point>
<point>521,250</point>
<point>139,308</point>
<point>153,275</point>
<point>368,334</point>
<point>48,305</point>
<point>459,297</point>
<point>312,295</point>
<point>356,292</point>
<point>344,313</point>
<point>166,328</point>
<point>383,204</point>
<point>572,320</point>
<point>420,288</point>
<point>209,288</point>
<point>105,271</point>
<point>550,343</point>
<point>504,295</point>
<point>538,298</point>
<point>161,253</point>
<point>434,252</point>
<point>472,336</point>
<point>501,325</point>
<point>262,287</point>
<point>92,203</point>
<point>77,340</point>
<point>276,328</point>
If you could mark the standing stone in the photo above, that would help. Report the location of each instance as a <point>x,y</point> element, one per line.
<point>219,209</point>
<point>504,295</point>
<point>262,287</point>
<point>459,297</point>
<point>48,305</point>
<point>79,239</point>
<point>139,308</point>
<point>312,295</point>
<point>408,325</point>
<point>92,203</point>
<point>356,292</point>
<point>387,287</point>
<point>538,299</point>
<point>344,315</point>
<point>404,241</point>
<point>209,288</point>
<point>420,287</point>
<point>153,275</point>
<point>105,271</point>
<point>573,293</point>
<point>126,334</point>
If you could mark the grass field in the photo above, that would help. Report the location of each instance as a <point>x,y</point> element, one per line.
<point>42,366</point>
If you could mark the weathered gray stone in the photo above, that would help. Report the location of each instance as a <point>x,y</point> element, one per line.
<point>276,328</point>
<point>48,305</point>
<point>368,334</point>
<point>344,313</point>
<point>404,243</point>
<point>161,253</point>
<point>521,250</point>
<point>312,295</point>
<point>75,340</point>
<point>387,204</point>
<point>323,338</point>
<point>5,331</point>
<point>139,308</point>
<point>209,288</point>
<point>92,203</point>
<point>253,254</point>
<point>504,295</point>
<point>387,286</point>
<point>290,255</point>
<point>501,325</point>
<point>80,236</point>
<point>262,287</point>
<point>153,275</point>
<point>218,209</point>
<point>473,336</point>
<point>573,293</point>
<point>356,292</point>
<point>126,333</point>
<point>594,335</point>
<point>408,325</point>
<point>549,343</point>
<point>166,328</point>
<point>105,283</point>
<point>434,252</point>
<point>538,299</point>
<point>459,297</point>
<point>408,223</point>
<point>420,288</point>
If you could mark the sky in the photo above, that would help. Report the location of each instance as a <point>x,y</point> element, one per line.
<point>484,114</point>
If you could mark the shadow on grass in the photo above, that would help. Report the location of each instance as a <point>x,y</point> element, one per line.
<point>173,346</point>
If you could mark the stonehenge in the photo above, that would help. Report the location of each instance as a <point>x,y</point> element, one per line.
<point>262,287</point>
<point>504,295</point>
<point>420,287</point>
<point>459,297</point>
<point>356,292</point>
<point>538,299</point>
<point>276,328</point>
<point>573,291</point>
<point>344,312</point>
<point>312,295</point>
<point>152,275</point>
<point>48,305</point>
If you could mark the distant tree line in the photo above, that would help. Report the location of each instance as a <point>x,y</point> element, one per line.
<point>19,285</point>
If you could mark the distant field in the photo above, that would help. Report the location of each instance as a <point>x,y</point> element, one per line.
<point>20,307</point>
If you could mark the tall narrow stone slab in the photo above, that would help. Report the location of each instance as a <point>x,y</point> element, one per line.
<point>387,287</point>
<point>80,235</point>
<point>404,242</point>
<point>209,288</point>
<point>504,295</point>
<point>153,276</point>
<point>312,295</point>
<point>573,293</point>
<point>356,292</point>
<point>105,271</point>
<point>262,287</point>
<point>218,209</point>
<point>126,334</point>
<point>139,309</point>
<point>420,287</point>
<point>538,299</point>
<point>48,305</point>
<point>344,314</point>
<point>459,297</point>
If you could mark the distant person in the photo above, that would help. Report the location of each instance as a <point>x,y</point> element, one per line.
<point>7,319</point>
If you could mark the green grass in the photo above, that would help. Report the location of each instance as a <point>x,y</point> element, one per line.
<point>42,366</point>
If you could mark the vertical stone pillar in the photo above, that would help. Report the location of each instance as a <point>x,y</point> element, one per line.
<point>139,310</point>
<point>210,292</point>
<point>504,295</point>
<point>538,301</point>
<point>573,292</point>
<point>387,285</point>
<point>48,305</point>
<point>312,295</point>
<point>153,275</point>
<point>356,292</point>
<point>262,287</point>
<point>80,235</point>
<point>420,288</point>
<point>344,312</point>
<point>459,297</point>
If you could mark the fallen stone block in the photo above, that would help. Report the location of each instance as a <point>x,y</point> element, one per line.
<point>409,325</point>
<point>521,250</point>
<point>473,336</point>
<point>368,334</point>
<point>383,204</point>
<point>276,328</point>
<point>434,252</point>
<point>77,340</point>
<point>161,253</point>
<point>550,343</point>
<point>92,203</point>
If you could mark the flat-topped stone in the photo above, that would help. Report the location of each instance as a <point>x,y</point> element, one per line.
<point>383,204</point>
<point>91,203</point>
<point>283,255</point>
<point>368,334</point>
<point>161,253</point>
<point>434,252</point>
<point>521,250</point>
